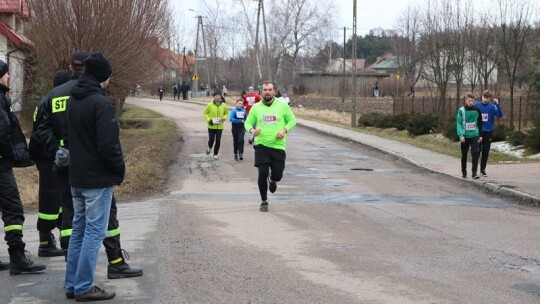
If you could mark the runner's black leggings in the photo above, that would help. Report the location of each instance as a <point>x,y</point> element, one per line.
<point>277,173</point>
<point>214,135</point>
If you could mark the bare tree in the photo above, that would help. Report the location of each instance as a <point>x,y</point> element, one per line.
<point>437,43</point>
<point>127,32</point>
<point>410,56</point>
<point>462,23</point>
<point>514,27</point>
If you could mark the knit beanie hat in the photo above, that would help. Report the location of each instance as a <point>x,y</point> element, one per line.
<point>98,66</point>
<point>4,68</point>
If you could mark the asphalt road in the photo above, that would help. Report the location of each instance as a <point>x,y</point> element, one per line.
<point>346,225</point>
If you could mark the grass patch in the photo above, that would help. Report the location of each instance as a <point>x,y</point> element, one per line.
<point>149,143</point>
<point>136,113</point>
<point>149,147</point>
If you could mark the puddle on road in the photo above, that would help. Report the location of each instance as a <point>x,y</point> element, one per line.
<point>529,288</point>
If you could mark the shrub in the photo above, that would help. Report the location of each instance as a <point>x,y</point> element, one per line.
<point>399,121</point>
<point>500,132</point>
<point>449,129</point>
<point>421,124</point>
<point>533,140</point>
<point>517,138</point>
<point>374,119</point>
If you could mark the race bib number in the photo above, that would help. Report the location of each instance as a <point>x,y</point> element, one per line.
<point>240,115</point>
<point>470,126</point>
<point>270,119</point>
<point>485,117</point>
<point>250,100</point>
<point>216,120</point>
<point>59,104</point>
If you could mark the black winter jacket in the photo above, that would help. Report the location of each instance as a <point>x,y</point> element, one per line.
<point>96,159</point>
<point>49,129</point>
<point>13,147</point>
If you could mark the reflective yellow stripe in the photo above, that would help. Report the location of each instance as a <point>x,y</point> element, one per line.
<point>116,261</point>
<point>35,114</point>
<point>59,104</point>
<point>113,232</point>
<point>48,217</point>
<point>60,210</point>
<point>61,142</point>
<point>13,227</point>
<point>65,232</point>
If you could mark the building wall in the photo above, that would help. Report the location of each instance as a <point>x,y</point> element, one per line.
<point>16,79</point>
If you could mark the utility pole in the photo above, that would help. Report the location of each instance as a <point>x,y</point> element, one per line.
<point>257,48</point>
<point>353,112</point>
<point>269,71</point>
<point>343,78</point>
<point>195,78</point>
<point>205,55</point>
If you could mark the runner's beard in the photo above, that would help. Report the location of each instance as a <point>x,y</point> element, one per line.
<point>268,98</point>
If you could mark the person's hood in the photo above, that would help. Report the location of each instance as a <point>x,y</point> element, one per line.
<point>86,86</point>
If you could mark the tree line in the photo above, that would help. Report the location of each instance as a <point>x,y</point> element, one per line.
<point>451,44</point>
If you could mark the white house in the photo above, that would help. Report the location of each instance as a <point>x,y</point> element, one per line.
<point>13,45</point>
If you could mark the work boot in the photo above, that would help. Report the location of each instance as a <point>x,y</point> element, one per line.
<point>95,294</point>
<point>4,266</point>
<point>21,263</point>
<point>47,246</point>
<point>121,269</point>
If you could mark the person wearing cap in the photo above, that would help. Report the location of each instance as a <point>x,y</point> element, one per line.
<point>96,164</point>
<point>250,99</point>
<point>56,111</point>
<point>215,114</point>
<point>490,107</point>
<point>49,214</point>
<point>13,153</point>
<point>269,121</point>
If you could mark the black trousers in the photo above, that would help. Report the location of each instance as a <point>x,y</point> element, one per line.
<point>238,133</point>
<point>485,146</point>
<point>49,216</point>
<point>111,241</point>
<point>12,212</point>
<point>184,95</point>
<point>271,162</point>
<point>214,135</point>
<point>471,143</point>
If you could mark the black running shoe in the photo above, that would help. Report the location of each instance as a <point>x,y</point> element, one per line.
<point>474,176</point>
<point>483,173</point>
<point>264,207</point>
<point>272,186</point>
<point>464,175</point>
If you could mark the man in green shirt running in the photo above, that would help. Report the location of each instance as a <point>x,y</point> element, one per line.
<point>274,119</point>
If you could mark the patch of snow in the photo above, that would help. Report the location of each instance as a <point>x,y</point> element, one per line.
<point>506,148</point>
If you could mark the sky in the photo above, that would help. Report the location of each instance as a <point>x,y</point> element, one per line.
<point>370,14</point>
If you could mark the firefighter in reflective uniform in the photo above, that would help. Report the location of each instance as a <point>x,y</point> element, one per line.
<point>49,215</point>
<point>55,107</point>
<point>13,153</point>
